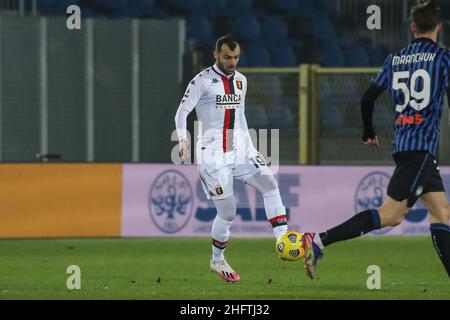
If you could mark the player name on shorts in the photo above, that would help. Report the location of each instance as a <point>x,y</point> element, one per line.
<point>413,58</point>
<point>228,101</point>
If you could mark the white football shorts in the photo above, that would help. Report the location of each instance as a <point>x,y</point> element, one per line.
<point>217,170</point>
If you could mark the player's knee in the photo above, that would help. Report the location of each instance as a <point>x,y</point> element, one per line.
<point>227,215</point>
<point>391,221</point>
<point>396,220</point>
<point>392,218</point>
<point>392,212</point>
<point>447,213</point>
<point>440,215</point>
<point>226,208</point>
<point>399,215</point>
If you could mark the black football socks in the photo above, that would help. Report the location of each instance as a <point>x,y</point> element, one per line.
<point>356,226</point>
<point>440,234</point>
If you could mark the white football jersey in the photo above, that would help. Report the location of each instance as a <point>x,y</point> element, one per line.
<point>219,101</point>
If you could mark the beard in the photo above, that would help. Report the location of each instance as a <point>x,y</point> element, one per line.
<point>222,68</point>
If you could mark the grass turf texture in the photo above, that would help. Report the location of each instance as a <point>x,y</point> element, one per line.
<point>171,268</point>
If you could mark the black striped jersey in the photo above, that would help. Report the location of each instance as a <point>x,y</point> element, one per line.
<point>417,78</point>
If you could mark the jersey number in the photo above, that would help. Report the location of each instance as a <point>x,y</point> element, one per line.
<point>412,97</point>
<point>257,160</point>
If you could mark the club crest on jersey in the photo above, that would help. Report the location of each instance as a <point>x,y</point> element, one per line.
<point>219,190</point>
<point>239,84</point>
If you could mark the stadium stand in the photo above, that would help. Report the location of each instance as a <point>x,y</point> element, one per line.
<point>280,31</point>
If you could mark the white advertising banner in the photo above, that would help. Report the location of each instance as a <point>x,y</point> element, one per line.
<point>168,200</point>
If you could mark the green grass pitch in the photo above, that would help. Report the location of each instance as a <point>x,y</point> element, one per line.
<point>172,268</point>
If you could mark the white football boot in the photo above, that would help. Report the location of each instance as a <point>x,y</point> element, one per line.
<point>223,269</point>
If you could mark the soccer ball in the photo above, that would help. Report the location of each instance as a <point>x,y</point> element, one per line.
<point>289,246</point>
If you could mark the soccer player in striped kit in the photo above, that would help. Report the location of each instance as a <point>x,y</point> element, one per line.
<point>417,78</point>
<point>224,148</point>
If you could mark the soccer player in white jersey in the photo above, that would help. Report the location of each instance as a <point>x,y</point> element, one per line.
<point>224,148</point>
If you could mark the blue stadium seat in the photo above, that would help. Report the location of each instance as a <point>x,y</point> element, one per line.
<point>356,56</point>
<point>88,13</point>
<point>45,5</point>
<point>270,87</point>
<point>257,116</point>
<point>243,59</point>
<point>300,8</point>
<point>242,8</point>
<point>305,8</point>
<point>57,7</point>
<point>274,28</point>
<point>199,29</point>
<point>239,4</point>
<point>348,88</point>
<point>378,55</point>
<point>340,100</point>
<point>214,8</point>
<point>333,56</point>
<point>139,8</point>
<point>332,117</point>
<point>249,28</point>
<point>283,56</point>
<point>324,7</point>
<point>287,5</point>
<point>258,56</point>
<point>282,118</point>
<point>294,8</point>
<point>323,28</point>
<point>189,6</point>
<point>112,8</point>
<point>222,26</point>
<point>115,4</point>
